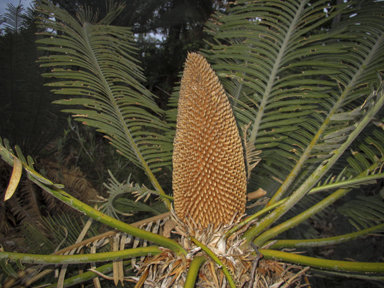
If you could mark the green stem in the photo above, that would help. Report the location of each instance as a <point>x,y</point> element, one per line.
<point>350,182</point>
<point>111,222</point>
<point>86,276</point>
<point>252,233</point>
<point>254,216</point>
<point>53,189</point>
<point>193,271</point>
<point>260,240</point>
<point>348,275</point>
<point>216,259</point>
<point>324,241</point>
<point>306,153</point>
<point>80,258</point>
<point>336,265</point>
<point>167,197</point>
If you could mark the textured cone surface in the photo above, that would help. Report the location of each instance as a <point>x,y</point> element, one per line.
<point>209,179</point>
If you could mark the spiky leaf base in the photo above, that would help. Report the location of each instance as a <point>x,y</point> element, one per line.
<point>169,270</point>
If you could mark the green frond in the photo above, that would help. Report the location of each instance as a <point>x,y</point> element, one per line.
<point>374,103</point>
<point>362,155</point>
<point>364,211</point>
<point>255,59</point>
<point>57,233</point>
<point>365,151</point>
<point>265,63</point>
<point>126,206</point>
<point>362,168</point>
<point>299,89</point>
<point>96,64</point>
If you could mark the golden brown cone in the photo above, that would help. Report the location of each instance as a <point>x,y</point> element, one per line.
<point>209,179</point>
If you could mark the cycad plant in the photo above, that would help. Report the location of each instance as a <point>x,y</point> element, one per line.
<point>288,91</point>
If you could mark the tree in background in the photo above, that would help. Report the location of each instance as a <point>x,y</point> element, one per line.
<point>27,116</point>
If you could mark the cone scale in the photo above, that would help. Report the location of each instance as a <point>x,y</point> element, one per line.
<point>209,179</point>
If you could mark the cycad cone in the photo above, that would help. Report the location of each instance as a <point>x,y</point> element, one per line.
<point>209,183</point>
<point>209,179</point>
